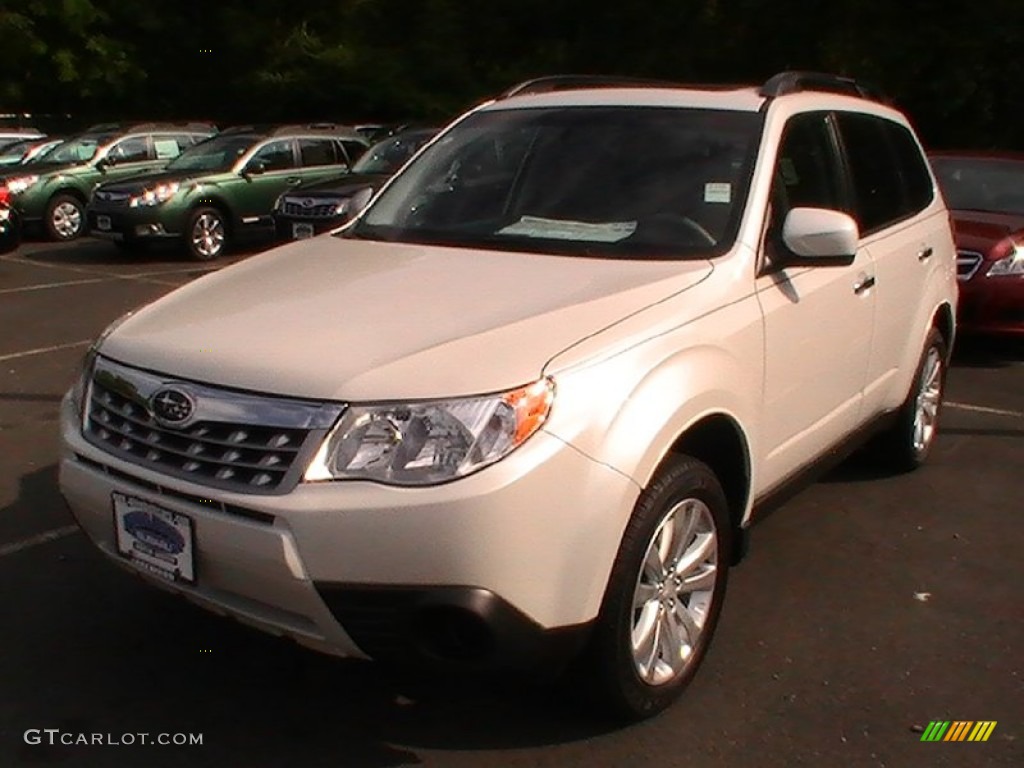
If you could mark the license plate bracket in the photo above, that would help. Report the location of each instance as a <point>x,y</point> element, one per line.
<point>156,540</point>
<point>302,231</point>
<point>103,223</point>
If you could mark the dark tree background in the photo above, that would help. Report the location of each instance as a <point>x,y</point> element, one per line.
<point>955,67</point>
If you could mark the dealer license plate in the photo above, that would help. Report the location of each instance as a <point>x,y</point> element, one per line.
<point>302,231</point>
<point>154,539</point>
<point>103,222</point>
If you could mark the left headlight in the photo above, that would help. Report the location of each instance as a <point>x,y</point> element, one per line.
<point>19,184</point>
<point>80,387</point>
<point>430,442</point>
<point>161,193</point>
<point>1008,265</point>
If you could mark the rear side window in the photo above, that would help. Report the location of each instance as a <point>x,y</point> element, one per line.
<point>917,183</point>
<point>317,152</point>
<point>877,183</point>
<point>169,146</point>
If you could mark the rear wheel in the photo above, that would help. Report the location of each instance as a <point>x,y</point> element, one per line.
<point>665,592</point>
<point>906,445</point>
<point>206,236</point>
<point>65,217</point>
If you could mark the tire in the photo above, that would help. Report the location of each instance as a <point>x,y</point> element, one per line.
<point>906,445</point>
<point>65,218</point>
<point>672,624</point>
<point>206,235</point>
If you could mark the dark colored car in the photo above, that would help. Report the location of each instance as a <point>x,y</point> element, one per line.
<point>311,209</point>
<point>53,190</point>
<point>222,190</point>
<point>10,228</point>
<point>985,194</point>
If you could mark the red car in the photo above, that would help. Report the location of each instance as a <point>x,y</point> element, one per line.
<point>985,194</point>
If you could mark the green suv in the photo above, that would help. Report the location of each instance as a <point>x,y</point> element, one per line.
<point>53,190</point>
<point>221,190</point>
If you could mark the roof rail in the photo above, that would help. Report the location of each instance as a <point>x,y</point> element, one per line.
<point>187,125</point>
<point>573,82</point>
<point>796,81</point>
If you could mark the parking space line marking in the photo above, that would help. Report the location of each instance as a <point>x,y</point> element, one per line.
<point>985,409</point>
<point>35,541</point>
<point>44,350</point>
<point>44,286</point>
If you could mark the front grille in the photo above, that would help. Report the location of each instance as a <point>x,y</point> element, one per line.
<point>296,209</point>
<point>967,263</point>
<point>111,199</point>
<point>235,441</point>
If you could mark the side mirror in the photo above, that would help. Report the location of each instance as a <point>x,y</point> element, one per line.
<point>254,168</point>
<point>819,236</point>
<point>103,163</point>
<point>10,230</point>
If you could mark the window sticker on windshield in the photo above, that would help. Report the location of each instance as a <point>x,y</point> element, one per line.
<point>166,148</point>
<point>717,192</point>
<point>584,231</point>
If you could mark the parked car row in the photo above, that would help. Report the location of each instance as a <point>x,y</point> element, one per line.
<point>187,183</point>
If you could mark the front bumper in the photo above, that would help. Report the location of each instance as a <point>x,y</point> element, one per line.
<point>297,228</point>
<point>991,305</point>
<point>133,224</point>
<point>504,568</point>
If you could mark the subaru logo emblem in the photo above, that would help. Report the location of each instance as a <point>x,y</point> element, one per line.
<point>308,202</point>
<point>172,407</point>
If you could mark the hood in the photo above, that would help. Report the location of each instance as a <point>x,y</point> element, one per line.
<point>142,181</point>
<point>982,230</point>
<point>340,186</point>
<point>38,169</point>
<point>354,320</point>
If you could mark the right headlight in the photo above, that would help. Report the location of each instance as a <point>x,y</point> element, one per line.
<point>430,442</point>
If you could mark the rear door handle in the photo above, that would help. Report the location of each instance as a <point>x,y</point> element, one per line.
<point>293,180</point>
<point>925,253</point>
<point>863,285</point>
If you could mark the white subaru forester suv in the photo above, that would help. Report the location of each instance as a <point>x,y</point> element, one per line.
<point>522,411</point>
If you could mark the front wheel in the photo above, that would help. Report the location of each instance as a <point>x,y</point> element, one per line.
<point>665,592</point>
<point>65,218</point>
<point>906,445</point>
<point>206,236</point>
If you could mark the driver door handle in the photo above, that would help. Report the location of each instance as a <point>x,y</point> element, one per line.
<point>925,253</point>
<point>293,180</point>
<point>864,285</point>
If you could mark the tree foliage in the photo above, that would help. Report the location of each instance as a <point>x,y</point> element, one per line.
<point>951,66</point>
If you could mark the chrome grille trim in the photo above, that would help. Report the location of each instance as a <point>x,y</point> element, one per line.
<point>292,206</point>
<point>967,264</point>
<point>236,441</point>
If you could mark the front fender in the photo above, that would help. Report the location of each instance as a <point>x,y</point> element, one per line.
<point>628,411</point>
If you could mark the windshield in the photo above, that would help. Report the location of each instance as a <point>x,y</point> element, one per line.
<point>981,184</point>
<point>389,155</point>
<point>623,182</point>
<point>81,149</point>
<point>13,153</point>
<point>217,154</point>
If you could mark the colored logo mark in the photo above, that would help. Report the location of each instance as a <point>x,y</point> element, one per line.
<point>958,730</point>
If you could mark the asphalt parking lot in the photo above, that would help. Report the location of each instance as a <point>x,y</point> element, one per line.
<point>869,606</point>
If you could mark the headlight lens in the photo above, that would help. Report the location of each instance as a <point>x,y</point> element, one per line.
<point>430,442</point>
<point>158,194</point>
<point>80,388</point>
<point>1010,265</point>
<point>21,183</point>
